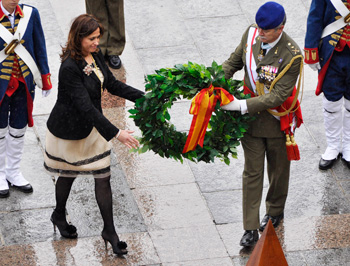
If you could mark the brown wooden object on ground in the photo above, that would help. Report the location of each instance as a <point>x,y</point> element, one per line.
<point>268,250</point>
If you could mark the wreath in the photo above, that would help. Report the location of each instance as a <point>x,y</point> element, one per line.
<point>185,81</point>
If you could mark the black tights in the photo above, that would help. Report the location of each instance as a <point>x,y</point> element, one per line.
<point>103,194</point>
<point>62,188</point>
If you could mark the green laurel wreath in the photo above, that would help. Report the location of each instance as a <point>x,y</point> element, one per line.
<point>151,114</point>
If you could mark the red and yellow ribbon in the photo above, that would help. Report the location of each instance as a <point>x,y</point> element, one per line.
<point>202,107</point>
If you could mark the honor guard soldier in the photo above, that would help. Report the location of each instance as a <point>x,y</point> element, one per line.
<point>23,66</point>
<point>272,62</point>
<point>327,50</point>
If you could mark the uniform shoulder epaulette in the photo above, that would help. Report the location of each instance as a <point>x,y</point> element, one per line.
<point>293,48</point>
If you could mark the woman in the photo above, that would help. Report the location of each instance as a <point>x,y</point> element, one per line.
<point>78,132</point>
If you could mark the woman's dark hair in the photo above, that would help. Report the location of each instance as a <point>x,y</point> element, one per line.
<point>82,26</point>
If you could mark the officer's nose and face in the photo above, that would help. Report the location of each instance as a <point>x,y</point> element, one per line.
<point>10,5</point>
<point>271,35</point>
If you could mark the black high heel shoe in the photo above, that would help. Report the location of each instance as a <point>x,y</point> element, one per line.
<point>67,230</point>
<point>119,248</point>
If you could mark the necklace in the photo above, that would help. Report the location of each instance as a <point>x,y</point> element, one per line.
<point>97,72</point>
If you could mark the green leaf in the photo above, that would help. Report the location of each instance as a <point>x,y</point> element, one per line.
<point>167,116</point>
<point>227,161</point>
<point>148,95</point>
<point>180,67</point>
<point>160,78</point>
<point>234,156</point>
<point>194,91</point>
<point>133,111</point>
<point>234,150</point>
<point>158,133</point>
<point>164,86</point>
<point>144,148</point>
<point>179,77</point>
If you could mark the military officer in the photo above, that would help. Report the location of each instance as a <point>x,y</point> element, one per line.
<point>272,63</point>
<point>111,15</point>
<point>23,65</point>
<point>327,50</point>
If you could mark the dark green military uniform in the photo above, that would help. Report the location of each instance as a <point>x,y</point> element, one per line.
<point>111,14</point>
<point>264,137</point>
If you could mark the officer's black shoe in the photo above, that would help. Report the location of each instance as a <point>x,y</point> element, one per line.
<point>264,222</point>
<point>326,164</point>
<point>274,219</point>
<point>249,238</point>
<point>4,193</point>
<point>114,61</point>
<point>25,189</point>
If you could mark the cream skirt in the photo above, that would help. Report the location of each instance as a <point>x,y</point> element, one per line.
<point>70,158</point>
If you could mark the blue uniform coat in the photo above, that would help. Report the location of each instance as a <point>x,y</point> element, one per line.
<point>34,41</point>
<point>321,14</point>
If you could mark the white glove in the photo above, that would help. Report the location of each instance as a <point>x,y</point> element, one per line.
<point>235,105</point>
<point>45,93</point>
<point>315,67</point>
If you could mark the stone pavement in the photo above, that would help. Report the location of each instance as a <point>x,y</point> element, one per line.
<point>172,213</point>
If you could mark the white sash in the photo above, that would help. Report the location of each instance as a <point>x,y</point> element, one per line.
<point>339,23</point>
<point>250,61</point>
<point>20,50</point>
<point>251,64</point>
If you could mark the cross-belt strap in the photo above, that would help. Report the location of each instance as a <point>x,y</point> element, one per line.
<point>339,23</point>
<point>20,50</point>
<point>250,61</point>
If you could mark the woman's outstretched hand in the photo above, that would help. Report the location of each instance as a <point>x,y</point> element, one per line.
<point>127,139</point>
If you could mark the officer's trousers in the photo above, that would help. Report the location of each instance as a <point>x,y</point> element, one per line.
<point>256,149</point>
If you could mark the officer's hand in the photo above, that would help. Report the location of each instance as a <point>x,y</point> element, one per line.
<point>45,93</point>
<point>315,67</point>
<point>235,105</point>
